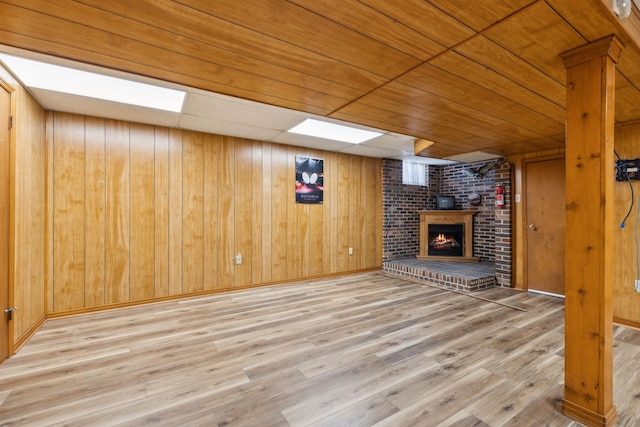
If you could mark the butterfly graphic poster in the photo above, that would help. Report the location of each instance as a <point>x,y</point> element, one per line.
<point>309,180</point>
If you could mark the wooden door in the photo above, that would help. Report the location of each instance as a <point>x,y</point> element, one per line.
<point>545,225</point>
<point>5,111</point>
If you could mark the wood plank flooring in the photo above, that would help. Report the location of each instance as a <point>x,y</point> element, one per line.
<point>357,350</point>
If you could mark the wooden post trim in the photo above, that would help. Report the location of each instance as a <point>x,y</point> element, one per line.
<point>588,395</point>
<point>588,417</point>
<point>609,46</point>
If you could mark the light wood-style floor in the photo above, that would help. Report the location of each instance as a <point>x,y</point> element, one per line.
<point>358,350</point>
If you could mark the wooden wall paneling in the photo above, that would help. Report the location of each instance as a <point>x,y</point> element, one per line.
<point>95,211</point>
<point>267,197</point>
<point>303,254</point>
<point>169,209</point>
<point>518,232</point>
<point>193,212</point>
<point>300,226</point>
<point>118,211</point>
<point>142,213</point>
<point>626,301</point>
<point>161,211</point>
<point>175,211</point>
<point>279,213</point>
<point>243,194</point>
<point>211,149</point>
<point>356,214</point>
<point>330,249</point>
<point>316,228</point>
<point>49,263</point>
<point>15,265</point>
<point>9,292</point>
<point>372,213</point>
<point>257,190</point>
<point>369,213</point>
<point>28,170</point>
<point>36,209</point>
<point>344,175</point>
<point>294,265</point>
<point>226,214</point>
<point>68,198</point>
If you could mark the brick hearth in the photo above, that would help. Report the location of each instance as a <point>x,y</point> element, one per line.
<point>461,276</point>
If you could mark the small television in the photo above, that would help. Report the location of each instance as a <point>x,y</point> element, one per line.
<point>445,202</point>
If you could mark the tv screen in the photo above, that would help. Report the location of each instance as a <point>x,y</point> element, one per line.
<point>445,202</point>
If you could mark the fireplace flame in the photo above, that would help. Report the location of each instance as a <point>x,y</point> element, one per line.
<point>442,241</point>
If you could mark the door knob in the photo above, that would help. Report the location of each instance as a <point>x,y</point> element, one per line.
<point>532,227</point>
<point>9,312</point>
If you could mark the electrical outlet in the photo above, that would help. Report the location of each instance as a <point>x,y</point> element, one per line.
<point>350,251</point>
<point>239,258</point>
<point>637,285</point>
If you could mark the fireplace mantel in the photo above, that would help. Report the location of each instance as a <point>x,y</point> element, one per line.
<point>447,217</point>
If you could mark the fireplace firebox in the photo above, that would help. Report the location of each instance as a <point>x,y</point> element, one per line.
<point>446,236</point>
<point>446,240</point>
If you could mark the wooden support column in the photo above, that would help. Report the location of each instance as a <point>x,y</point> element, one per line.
<point>588,390</point>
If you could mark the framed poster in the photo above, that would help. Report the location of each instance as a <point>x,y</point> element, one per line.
<point>309,180</point>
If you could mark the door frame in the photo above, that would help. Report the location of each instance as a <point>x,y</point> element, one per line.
<point>524,222</point>
<point>11,255</point>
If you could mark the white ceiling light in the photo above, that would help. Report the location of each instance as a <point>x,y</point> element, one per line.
<point>56,78</point>
<point>319,129</point>
<point>622,8</point>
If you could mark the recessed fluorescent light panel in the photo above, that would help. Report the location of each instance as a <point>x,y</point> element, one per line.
<point>312,127</point>
<point>57,78</point>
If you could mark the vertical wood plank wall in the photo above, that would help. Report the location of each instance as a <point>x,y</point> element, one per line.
<point>28,212</point>
<point>626,301</point>
<point>141,212</point>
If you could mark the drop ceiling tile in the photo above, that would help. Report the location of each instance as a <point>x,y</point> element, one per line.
<point>220,127</point>
<point>233,110</point>
<point>363,150</point>
<point>427,160</point>
<point>309,141</point>
<point>392,142</point>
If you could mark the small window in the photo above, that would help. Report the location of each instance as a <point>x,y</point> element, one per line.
<point>414,173</point>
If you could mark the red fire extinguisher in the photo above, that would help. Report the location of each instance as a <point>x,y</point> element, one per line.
<point>500,197</point>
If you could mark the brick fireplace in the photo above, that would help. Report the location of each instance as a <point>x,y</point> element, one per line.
<point>492,241</point>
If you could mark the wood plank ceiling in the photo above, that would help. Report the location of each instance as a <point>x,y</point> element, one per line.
<point>480,75</point>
